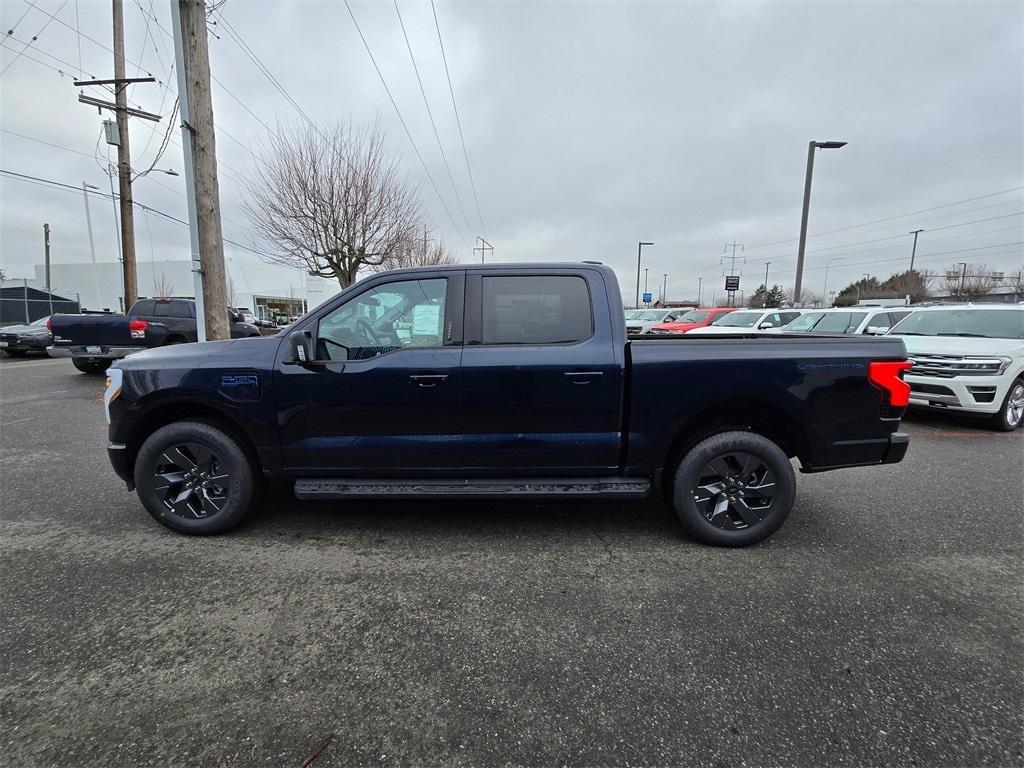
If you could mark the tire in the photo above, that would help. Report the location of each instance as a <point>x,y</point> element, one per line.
<point>715,489</point>
<point>91,367</point>
<point>174,340</point>
<point>191,446</point>
<point>1011,412</point>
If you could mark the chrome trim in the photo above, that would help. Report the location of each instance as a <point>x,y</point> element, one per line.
<point>950,366</point>
<point>112,353</point>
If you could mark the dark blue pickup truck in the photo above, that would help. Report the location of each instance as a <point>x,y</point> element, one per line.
<point>500,380</point>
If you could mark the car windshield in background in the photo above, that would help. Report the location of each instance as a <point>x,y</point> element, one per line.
<point>694,317</point>
<point>983,323</point>
<point>839,322</point>
<point>649,316</point>
<point>805,322</point>
<point>40,321</point>
<point>738,320</point>
<point>633,314</point>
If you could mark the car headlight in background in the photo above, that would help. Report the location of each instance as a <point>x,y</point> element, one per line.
<point>114,377</point>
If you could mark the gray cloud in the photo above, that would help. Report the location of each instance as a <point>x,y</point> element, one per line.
<point>590,126</point>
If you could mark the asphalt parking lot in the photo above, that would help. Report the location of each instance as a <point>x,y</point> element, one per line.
<point>881,626</point>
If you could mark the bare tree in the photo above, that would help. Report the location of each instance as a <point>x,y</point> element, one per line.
<point>970,283</point>
<point>333,199</point>
<point>420,252</point>
<point>162,287</point>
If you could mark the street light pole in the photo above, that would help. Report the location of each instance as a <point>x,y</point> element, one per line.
<point>664,290</point>
<point>645,279</point>
<point>913,252</point>
<point>700,290</point>
<point>92,246</point>
<point>824,288</point>
<point>806,207</point>
<point>766,265</point>
<point>639,249</point>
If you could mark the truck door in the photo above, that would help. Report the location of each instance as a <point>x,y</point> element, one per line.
<point>541,383</point>
<point>382,396</point>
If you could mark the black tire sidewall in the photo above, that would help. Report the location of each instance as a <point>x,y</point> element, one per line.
<point>91,368</point>
<point>231,456</point>
<point>694,461</point>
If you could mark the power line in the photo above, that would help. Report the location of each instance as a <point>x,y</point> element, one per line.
<point>426,103</point>
<point>891,218</point>
<point>458,121</point>
<point>34,38</point>
<point>401,119</point>
<point>47,143</point>
<point>14,26</point>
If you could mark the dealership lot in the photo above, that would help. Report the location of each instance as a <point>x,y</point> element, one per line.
<point>881,625</point>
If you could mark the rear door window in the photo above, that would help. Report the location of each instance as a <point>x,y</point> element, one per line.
<point>144,307</point>
<point>548,309</point>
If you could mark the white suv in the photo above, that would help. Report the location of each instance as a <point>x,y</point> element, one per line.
<point>968,358</point>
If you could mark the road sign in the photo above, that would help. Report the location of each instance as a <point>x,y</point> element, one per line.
<point>647,298</point>
<point>732,282</point>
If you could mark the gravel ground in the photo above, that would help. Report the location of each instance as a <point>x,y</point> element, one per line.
<point>881,626</point>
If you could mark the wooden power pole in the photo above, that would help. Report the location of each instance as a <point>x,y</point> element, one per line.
<point>193,64</point>
<point>124,155</point>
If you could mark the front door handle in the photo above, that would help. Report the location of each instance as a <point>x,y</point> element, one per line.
<point>428,379</point>
<point>583,377</point>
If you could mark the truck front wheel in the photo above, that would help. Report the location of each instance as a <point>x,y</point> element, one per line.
<point>194,478</point>
<point>1011,415</point>
<point>733,489</point>
<point>92,367</point>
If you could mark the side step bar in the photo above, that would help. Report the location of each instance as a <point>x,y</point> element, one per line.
<point>331,488</point>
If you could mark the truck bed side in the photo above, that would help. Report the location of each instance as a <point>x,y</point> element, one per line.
<point>811,394</point>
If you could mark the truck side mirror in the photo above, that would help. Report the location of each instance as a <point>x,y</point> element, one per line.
<point>764,326</point>
<point>301,343</point>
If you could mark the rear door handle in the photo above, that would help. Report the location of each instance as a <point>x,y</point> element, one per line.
<point>583,377</point>
<point>428,379</point>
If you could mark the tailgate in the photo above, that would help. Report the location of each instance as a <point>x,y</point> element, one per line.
<point>99,330</point>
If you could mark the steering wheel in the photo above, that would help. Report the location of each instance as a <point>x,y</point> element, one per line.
<point>364,327</point>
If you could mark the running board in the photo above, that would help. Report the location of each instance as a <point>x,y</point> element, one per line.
<point>618,487</point>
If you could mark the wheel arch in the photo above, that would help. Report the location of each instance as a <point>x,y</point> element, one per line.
<point>170,412</point>
<point>743,414</point>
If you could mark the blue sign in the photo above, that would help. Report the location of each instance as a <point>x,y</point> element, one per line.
<point>647,298</point>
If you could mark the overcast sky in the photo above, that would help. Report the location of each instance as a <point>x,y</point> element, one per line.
<point>589,126</point>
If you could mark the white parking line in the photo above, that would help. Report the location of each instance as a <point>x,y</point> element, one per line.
<point>6,367</point>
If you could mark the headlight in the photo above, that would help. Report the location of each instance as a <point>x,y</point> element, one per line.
<point>114,377</point>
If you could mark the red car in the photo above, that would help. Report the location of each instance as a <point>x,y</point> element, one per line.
<point>695,318</point>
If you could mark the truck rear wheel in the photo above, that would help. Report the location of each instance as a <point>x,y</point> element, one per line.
<point>194,478</point>
<point>92,367</point>
<point>733,489</point>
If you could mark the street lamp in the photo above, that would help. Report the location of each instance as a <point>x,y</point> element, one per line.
<point>824,288</point>
<point>807,204</point>
<point>92,247</point>
<point>639,248</point>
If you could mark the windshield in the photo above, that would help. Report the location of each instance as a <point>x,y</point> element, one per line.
<point>40,321</point>
<point>984,323</point>
<point>694,316</point>
<point>738,320</point>
<point>839,322</point>
<point>633,314</point>
<point>650,316</point>
<point>805,322</point>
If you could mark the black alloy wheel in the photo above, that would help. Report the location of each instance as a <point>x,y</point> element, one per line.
<point>195,477</point>
<point>733,489</point>
<point>190,481</point>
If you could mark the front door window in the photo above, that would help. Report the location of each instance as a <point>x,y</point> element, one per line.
<point>406,313</point>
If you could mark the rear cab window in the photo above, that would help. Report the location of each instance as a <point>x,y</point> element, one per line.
<point>535,309</point>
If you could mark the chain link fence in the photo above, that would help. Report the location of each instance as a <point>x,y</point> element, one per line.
<point>22,304</point>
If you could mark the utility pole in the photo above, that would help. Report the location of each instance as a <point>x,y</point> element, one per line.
<point>963,276</point>
<point>92,246</point>
<point>124,159</point>
<point>913,252</point>
<point>192,61</point>
<point>732,265</point>
<point>483,248</point>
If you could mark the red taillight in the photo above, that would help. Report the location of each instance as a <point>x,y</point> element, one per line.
<point>887,377</point>
<point>49,325</point>
<point>138,328</point>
